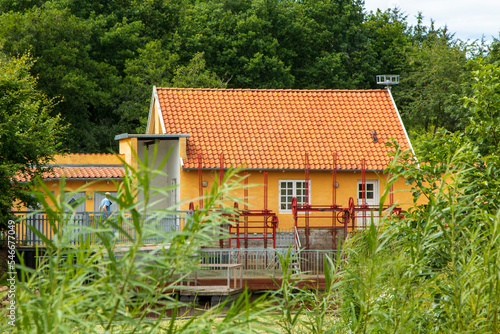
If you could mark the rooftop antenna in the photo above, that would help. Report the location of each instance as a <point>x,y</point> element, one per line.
<point>388,80</point>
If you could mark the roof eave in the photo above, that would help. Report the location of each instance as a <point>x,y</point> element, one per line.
<point>401,121</point>
<point>84,178</point>
<point>285,169</point>
<point>150,108</point>
<point>150,136</point>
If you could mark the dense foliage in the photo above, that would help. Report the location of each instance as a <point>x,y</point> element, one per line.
<point>437,270</point>
<point>29,136</point>
<point>100,59</point>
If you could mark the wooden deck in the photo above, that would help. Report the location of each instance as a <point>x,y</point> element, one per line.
<point>209,290</point>
<point>231,285</point>
<point>267,283</point>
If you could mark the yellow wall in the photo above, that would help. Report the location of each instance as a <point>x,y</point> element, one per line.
<point>90,188</point>
<point>127,148</point>
<point>87,159</point>
<point>321,189</point>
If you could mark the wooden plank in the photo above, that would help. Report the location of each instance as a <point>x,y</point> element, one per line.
<point>208,290</point>
<point>266,283</point>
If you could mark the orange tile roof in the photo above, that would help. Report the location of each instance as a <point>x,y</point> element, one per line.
<point>273,129</point>
<point>90,173</point>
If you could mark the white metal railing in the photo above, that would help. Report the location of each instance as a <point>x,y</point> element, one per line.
<point>298,246</point>
<point>284,238</point>
<point>265,262</point>
<point>121,226</point>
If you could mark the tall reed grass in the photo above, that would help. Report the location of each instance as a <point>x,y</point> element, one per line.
<point>435,271</point>
<point>97,288</point>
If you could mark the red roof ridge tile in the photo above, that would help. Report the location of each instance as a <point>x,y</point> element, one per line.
<point>271,90</point>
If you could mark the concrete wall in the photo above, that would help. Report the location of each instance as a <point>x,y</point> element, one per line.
<point>170,172</point>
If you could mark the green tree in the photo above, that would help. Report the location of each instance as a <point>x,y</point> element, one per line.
<point>29,136</point>
<point>279,44</point>
<point>237,42</point>
<point>66,69</point>
<point>484,107</point>
<point>195,75</point>
<point>433,83</point>
<point>154,66</point>
<point>388,41</point>
<point>337,42</point>
<point>493,56</point>
<point>436,270</point>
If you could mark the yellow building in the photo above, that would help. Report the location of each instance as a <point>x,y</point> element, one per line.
<point>269,133</point>
<point>97,172</point>
<point>313,154</point>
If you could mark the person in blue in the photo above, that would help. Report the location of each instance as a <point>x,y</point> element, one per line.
<point>106,204</point>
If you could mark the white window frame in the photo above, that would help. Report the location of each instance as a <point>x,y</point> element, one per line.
<point>375,191</point>
<point>294,193</point>
<point>76,196</point>
<point>365,217</point>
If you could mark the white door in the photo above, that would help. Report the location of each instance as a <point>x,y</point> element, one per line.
<point>371,198</point>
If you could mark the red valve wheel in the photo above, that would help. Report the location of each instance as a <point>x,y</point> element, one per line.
<point>340,216</point>
<point>351,207</point>
<point>274,222</point>
<point>294,206</point>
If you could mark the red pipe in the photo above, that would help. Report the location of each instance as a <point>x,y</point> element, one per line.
<point>237,221</point>
<point>306,199</point>
<point>221,164</point>
<point>265,190</point>
<point>334,185</point>
<point>391,194</point>
<point>275,223</point>
<point>200,181</point>
<point>245,191</point>
<point>363,182</point>
<point>221,169</point>
<point>306,169</point>
<point>334,180</point>
<point>363,189</point>
<point>265,208</point>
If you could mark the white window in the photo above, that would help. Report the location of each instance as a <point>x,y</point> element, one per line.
<point>372,199</point>
<point>292,188</point>
<point>370,191</point>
